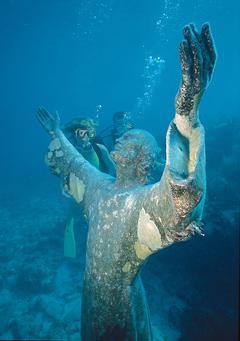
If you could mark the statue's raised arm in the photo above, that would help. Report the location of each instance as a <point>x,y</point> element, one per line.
<point>198,57</point>
<point>179,197</point>
<point>80,178</point>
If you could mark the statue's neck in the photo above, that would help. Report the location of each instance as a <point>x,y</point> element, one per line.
<point>126,177</point>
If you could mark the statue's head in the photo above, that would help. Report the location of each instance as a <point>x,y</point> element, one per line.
<point>135,155</point>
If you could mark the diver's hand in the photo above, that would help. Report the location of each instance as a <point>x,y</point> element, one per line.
<point>51,123</point>
<point>198,57</point>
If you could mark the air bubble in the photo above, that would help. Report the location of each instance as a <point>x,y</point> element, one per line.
<point>152,72</point>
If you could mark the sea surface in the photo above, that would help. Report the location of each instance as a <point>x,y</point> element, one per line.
<point>93,58</point>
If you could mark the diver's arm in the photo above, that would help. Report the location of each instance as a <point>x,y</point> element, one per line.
<point>174,205</point>
<point>80,178</point>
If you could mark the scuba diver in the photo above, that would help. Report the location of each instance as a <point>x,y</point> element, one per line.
<point>121,123</point>
<point>81,132</point>
<point>128,221</point>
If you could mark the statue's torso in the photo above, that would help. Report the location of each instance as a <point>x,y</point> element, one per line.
<point>113,298</point>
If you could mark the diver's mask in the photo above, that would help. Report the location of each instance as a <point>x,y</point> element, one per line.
<point>83,137</point>
<point>81,133</point>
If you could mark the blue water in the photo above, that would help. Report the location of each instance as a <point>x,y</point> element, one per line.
<point>93,58</point>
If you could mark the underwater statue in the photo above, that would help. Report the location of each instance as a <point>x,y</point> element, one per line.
<point>129,220</point>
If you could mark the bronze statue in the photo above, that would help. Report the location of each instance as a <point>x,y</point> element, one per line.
<point>129,220</point>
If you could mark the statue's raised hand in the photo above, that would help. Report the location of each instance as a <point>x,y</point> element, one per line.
<point>51,123</point>
<point>198,57</point>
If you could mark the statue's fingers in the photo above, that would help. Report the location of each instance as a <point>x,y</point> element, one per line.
<point>204,54</point>
<point>40,116</point>
<point>41,120</point>
<point>195,32</point>
<point>43,111</point>
<point>196,53</point>
<point>49,118</point>
<point>210,47</point>
<point>40,112</point>
<point>43,126</point>
<point>57,117</point>
<point>46,114</point>
<point>44,117</point>
<point>186,62</point>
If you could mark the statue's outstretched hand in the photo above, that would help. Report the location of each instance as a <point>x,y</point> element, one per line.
<point>198,57</point>
<point>51,123</point>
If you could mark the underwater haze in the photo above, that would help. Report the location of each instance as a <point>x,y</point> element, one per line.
<point>93,58</point>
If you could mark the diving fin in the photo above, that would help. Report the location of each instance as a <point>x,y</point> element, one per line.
<point>69,240</point>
